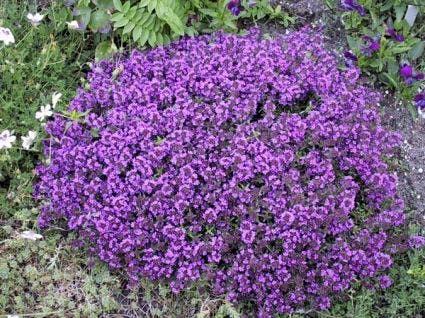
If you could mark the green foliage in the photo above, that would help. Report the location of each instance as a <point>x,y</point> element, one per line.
<point>157,22</point>
<point>384,65</point>
<point>263,10</point>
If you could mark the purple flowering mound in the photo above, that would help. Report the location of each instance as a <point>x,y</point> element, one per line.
<point>255,165</point>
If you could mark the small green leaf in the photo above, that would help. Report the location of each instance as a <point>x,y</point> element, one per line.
<point>126,7</point>
<point>118,5</point>
<point>152,38</point>
<point>121,23</point>
<point>152,5</point>
<point>129,27</point>
<point>117,16</point>
<point>144,37</point>
<point>417,50</point>
<point>143,3</point>
<point>137,32</point>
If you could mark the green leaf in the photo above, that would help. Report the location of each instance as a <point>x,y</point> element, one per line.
<point>353,43</point>
<point>159,39</point>
<point>417,50</point>
<point>143,3</point>
<point>117,16</point>
<point>129,27</point>
<point>143,18</point>
<point>118,5</point>
<point>104,50</point>
<point>152,5</point>
<point>137,32</point>
<point>121,23</point>
<point>131,13</point>
<point>105,4</point>
<point>391,80</point>
<point>144,37</point>
<point>126,7</point>
<point>175,23</point>
<point>209,12</point>
<point>152,38</point>
<point>400,49</point>
<point>399,11</point>
<point>98,20</point>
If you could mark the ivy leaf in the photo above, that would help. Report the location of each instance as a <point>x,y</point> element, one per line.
<point>417,50</point>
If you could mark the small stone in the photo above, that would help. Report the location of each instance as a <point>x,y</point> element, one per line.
<point>420,170</point>
<point>418,196</point>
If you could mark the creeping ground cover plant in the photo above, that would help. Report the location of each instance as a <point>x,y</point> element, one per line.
<point>256,165</point>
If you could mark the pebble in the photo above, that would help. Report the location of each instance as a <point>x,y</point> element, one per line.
<point>420,170</point>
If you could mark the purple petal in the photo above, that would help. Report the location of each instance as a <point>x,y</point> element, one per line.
<point>420,100</point>
<point>350,55</point>
<point>419,76</point>
<point>406,71</point>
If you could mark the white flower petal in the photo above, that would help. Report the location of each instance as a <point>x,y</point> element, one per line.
<point>6,36</point>
<point>6,139</point>
<point>30,235</point>
<point>73,25</point>
<point>35,19</point>
<point>55,98</point>
<point>27,141</point>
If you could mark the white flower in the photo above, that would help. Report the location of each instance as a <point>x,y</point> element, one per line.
<point>55,98</point>
<point>27,141</point>
<point>73,25</point>
<point>44,112</point>
<point>6,139</point>
<point>6,36</point>
<point>421,113</point>
<point>35,19</point>
<point>30,235</point>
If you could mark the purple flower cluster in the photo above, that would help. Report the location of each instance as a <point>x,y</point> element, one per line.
<point>353,5</point>
<point>243,161</point>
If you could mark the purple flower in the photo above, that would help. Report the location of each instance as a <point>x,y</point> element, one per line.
<point>384,281</point>
<point>234,6</point>
<point>371,45</point>
<point>409,75</point>
<point>353,5</point>
<point>350,58</point>
<point>199,161</point>
<point>394,35</point>
<point>420,100</point>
